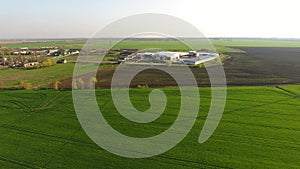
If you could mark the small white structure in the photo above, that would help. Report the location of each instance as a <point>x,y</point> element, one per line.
<point>30,64</point>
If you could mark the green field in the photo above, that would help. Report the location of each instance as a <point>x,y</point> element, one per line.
<point>40,78</point>
<point>221,45</point>
<point>267,62</point>
<point>68,44</point>
<point>260,129</point>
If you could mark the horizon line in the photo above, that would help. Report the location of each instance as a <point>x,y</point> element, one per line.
<point>86,38</point>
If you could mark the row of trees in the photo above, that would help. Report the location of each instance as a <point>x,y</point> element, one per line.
<point>79,83</point>
<point>12,60</point>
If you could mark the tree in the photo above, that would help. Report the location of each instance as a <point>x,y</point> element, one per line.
<point>75,86</point>
<point>57,85</point>
<point>93,81</point>
<point>10,60</point>
<point>62,50</point>
<point>48,63</point>
<point>24,84</point>
<point>80,83</point>
<point>35,56</point>
<point>3,59</point>
<point>201,65</point>
<point>169,63</point>
<point>20,58</point>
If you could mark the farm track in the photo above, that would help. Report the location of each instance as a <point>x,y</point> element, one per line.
<point>69,140</point>
<point>19,163</point>
<point>244,141</point>
<point>224,136</point>
<point>296,95</point>
<point>60,149</point>
<point>28,132</point>
<point>261,104</point>
<point>49,101</point>
<point>19,104</point>
<point>264,142</point>
<point>190,161</point>
<point>25,96</point>
<point>203,118</point>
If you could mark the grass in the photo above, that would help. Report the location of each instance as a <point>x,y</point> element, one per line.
<point>258,65</point>
<point>221,45</point>
<point>259,129</point>
<point>41,78</point>
<point>68,44</point>
<point>170,45</point>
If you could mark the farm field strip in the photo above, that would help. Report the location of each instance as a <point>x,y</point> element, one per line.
<point>248,125</point>
<point>258,64</point>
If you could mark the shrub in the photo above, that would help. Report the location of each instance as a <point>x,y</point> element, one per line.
<point>80,83</point>
<point>75,86</point>
<point>48,63</point>
<point>24,84</point>
<point>93,81</point>
<point>56,85</point>
<point>169,63</point>
<point>201,65</point>
<point>143,86</point>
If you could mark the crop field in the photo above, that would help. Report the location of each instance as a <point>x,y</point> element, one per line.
<point>252,62</point>
<point>221,45</point>
<point>260,128</point>
<point>264,66</point>
<point>171,45</point>
<point>41,78</point>
<point>257,66</point>
<point>77,44</point>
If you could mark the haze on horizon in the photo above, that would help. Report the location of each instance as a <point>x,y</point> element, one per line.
<point>34,19</point>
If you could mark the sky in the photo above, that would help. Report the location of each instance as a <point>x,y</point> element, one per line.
<point>30,19</point>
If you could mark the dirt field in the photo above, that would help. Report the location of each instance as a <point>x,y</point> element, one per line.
<point>258,66</point>
<point>264,66</point>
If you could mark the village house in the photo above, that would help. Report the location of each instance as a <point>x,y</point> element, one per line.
<point>72,52</point>
<point>30,64</point>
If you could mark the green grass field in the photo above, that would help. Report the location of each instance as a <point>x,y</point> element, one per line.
<point>259,67</point>
<point>221,45</point>
<point>41,78</point>
<point>260,129</point>
<point>68,44</point>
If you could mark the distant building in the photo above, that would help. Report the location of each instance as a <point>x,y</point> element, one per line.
<point>72,52</point>
<point>158,56</point>
<point>30,64</point>
<point>39,51</point>
<point>54,53</point>
<point>22,51</point>
<point>188,58</point>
